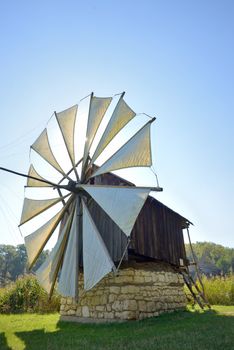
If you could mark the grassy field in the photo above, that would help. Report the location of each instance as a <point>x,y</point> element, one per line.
<point>181,330</point>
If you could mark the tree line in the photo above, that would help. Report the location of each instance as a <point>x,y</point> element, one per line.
<point>13,262</point>
<point>13,259</point>
<point>213,255</point>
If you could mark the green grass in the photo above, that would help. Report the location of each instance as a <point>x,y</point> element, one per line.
<point>188,330</point>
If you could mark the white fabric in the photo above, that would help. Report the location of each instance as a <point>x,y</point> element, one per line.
<point>34,207</point>
<point>96,259</point>
<point>68,278</point>
<point>123,205</point>
<point>35,183</point>
<point>36,241</point>
<point>98,107</point>
<point>42,147</point>
<point>47,272</point>
<point>120,117</point>
<point>134,153</point>
<point>66,120</point>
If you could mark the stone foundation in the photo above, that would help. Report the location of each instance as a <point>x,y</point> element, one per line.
<point>139,291</point>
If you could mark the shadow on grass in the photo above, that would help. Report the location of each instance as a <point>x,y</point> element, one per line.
<point>179,330</point>
<point>3,342</point>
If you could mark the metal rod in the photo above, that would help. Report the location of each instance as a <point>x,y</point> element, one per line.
<point>29,176</point>
<point>35,178</point>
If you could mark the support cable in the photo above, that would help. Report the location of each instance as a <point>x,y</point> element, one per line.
<point>147,115</point>
<point>125,250</point>
<point>155,174</point>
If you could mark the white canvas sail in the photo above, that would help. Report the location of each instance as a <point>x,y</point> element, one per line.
<point>96,259</point>
<point>34,207</point>
<point>47,272</point>
<point>42,147</point>
<point>120,117</point>
<point>35,242</point>
<point>134,153</point>
<point>66,120</point>
<point>68,279</point>
<point>33,182</point>
<point>123,205</point>
<point>97,110</point>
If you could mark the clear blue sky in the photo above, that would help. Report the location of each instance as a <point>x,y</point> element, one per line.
<point>173,58</point>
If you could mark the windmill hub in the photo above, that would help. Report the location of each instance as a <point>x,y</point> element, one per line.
<point>75,187</point>
<point>72,186</point>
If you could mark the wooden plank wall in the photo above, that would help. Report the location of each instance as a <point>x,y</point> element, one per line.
<point>157,233</point>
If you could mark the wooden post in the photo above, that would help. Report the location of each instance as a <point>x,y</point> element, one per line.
<point>78,242</point>
<point>202,293</point>
<point>195,261</point>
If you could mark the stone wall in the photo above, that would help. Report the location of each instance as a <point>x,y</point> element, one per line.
<point>138,291</point>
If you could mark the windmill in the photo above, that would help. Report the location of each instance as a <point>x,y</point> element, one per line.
<point>79,242</point>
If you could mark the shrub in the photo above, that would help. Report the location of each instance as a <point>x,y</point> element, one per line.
<point>219,290</point>
<point>26,295</point>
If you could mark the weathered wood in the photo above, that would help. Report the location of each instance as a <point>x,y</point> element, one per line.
<point>79,213</point>
<point>198,297</point>
<point>157,233</point>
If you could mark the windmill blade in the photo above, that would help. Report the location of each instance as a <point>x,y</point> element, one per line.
<point>36,241</point>
<point>136,152</point>
<point>48,271</point>
<point>35,183</point>
<point>97,109</point>
<point>66,121</point>
<point>42,147</point>
<point>123,205</point>
<point>119,119</point>
<point>34,207</point>
<point>68,279</point>
<point>96,259</point>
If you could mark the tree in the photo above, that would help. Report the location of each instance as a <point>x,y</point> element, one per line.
<point>221,257</point>
<point>13,262</point>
